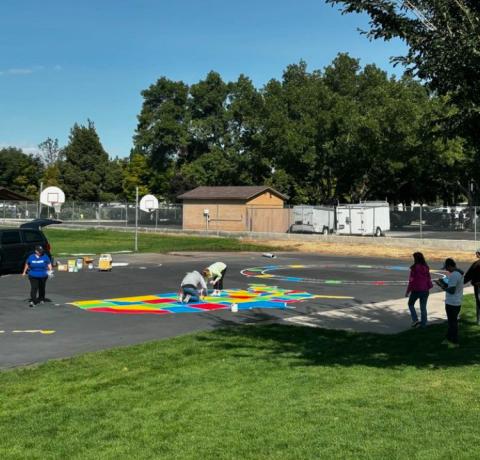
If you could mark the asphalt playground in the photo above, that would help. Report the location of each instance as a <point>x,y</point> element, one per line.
<point>57,329</point>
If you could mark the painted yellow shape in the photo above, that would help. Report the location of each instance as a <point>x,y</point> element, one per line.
<point>297,266</point>
<point>265,276</point>
<point>86,303</point>
<point>140,298</point>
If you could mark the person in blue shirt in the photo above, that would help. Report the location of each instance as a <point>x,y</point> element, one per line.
<point>39,268</point>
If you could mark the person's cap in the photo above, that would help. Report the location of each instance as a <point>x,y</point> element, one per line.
<point>449,263</point>
<point>477,251</point>
<point>39,248</point>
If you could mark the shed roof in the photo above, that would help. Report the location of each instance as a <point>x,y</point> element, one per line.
<point>9,195</point>
<point>246,192</point>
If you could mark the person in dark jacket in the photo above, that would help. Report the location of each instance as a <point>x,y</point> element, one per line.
<point>419,285</point>
<point>473,276</point>
<point>39,268</point>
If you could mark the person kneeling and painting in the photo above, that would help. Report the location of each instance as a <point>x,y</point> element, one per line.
<point>215,274</point>
<point>192,287</point>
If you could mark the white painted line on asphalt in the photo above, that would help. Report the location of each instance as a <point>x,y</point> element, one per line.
<point>35,331</point>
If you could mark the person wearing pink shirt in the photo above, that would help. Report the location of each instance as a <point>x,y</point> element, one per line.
<point>419,285</point>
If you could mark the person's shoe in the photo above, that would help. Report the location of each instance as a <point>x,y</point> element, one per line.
<point>453,345</point>
<point>187,298</point>
<point>445,342</point>
<point>31,304</point>
<point>415,323</point>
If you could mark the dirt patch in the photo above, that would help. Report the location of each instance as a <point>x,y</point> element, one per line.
<point>356,250</point>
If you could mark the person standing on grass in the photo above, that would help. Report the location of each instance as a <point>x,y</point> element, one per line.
<point>39,267</point>
<point>192,287</point>
<point>473,276</point>
<point>419,285</point>
<point>453,287</point>
<point>215,273</point>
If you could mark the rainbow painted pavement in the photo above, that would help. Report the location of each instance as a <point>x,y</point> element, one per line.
<point>256,296</point>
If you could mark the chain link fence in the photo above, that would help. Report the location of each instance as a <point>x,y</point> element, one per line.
<point>460,222</point>
<point>95,214</point>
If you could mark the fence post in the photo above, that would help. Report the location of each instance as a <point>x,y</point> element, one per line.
<point>475,225</point>
<point>421,222</point>
<point>136,219</point>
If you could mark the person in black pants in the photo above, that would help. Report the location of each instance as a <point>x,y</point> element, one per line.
<point>453,287</point>
<point>39,267</point>
<point>473,276</point>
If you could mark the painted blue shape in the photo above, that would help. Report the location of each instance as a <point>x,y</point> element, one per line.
<point>260,304</point>
<point>291,278</point>
<point>168,295</point>
<point>271,267</point>
<point>181,309</point>
<point>397,267</point>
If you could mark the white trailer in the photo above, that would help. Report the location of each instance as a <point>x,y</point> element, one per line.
<point>367,218</point>
<point>313,219</point>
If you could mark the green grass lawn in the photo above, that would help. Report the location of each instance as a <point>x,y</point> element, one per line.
<point>93,241</point>
<point>252,392</point>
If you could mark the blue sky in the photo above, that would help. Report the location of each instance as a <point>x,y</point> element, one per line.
<point>64,61</point>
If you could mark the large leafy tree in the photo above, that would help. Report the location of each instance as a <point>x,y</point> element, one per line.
<point>443,38</point>
<point>84,170</point>
<point>20,172</point>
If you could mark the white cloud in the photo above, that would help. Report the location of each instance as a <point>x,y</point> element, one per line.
<point>26,148</point>
<point>29,70</point>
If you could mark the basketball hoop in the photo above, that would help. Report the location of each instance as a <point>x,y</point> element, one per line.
<point>53,197</point>
<point>148,203</point>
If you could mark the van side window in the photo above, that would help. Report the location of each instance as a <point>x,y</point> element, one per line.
<point>31,236</point>
<point>10,237</point>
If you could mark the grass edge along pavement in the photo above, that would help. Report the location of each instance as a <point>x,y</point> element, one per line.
<point>94,241</point>
<point>264,391</point>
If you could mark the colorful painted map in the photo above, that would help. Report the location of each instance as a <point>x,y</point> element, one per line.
<point>256,296</point>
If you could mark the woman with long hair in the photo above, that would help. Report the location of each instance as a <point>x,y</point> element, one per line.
<point>419,285</point>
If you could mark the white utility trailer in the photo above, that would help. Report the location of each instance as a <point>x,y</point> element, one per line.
<point>313,219</point>
<point>367,218</point>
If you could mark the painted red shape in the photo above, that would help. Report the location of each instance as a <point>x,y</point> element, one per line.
<point>128,312</point>
<point>240,296</point>
<point>155,301</point>
<point>379,283</point>
<point>211,306</point>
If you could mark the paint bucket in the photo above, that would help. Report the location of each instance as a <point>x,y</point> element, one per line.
<point>234,308</point>
<point>267,254</point>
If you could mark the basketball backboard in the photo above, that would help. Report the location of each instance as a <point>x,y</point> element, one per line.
<point>148,203</point>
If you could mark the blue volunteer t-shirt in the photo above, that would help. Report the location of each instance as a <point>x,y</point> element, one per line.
<point>38,266</point>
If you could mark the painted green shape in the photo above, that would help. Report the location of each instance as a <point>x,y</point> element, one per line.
<point>333,282</point>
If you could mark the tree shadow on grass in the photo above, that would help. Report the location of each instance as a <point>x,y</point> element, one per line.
<point>419,348</point>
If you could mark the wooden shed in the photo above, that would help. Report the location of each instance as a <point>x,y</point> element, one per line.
<point>242,208</point>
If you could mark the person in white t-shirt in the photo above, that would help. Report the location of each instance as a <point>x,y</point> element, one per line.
<point>453,287</point>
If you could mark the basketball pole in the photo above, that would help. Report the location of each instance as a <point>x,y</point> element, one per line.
<point>39,206</point>
<point>136,220</point>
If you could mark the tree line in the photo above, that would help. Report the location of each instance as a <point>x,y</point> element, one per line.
<point>344,133</point>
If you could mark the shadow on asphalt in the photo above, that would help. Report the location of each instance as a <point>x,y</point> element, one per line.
<point>322,347</point>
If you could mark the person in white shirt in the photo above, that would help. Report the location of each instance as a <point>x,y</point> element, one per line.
<point>192,287</point>
<point>215,273</point>
<point>453,287</point>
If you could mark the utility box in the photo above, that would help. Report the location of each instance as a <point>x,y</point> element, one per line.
<point>105,262</point>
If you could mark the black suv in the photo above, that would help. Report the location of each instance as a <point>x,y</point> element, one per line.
<point>16,244</point>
